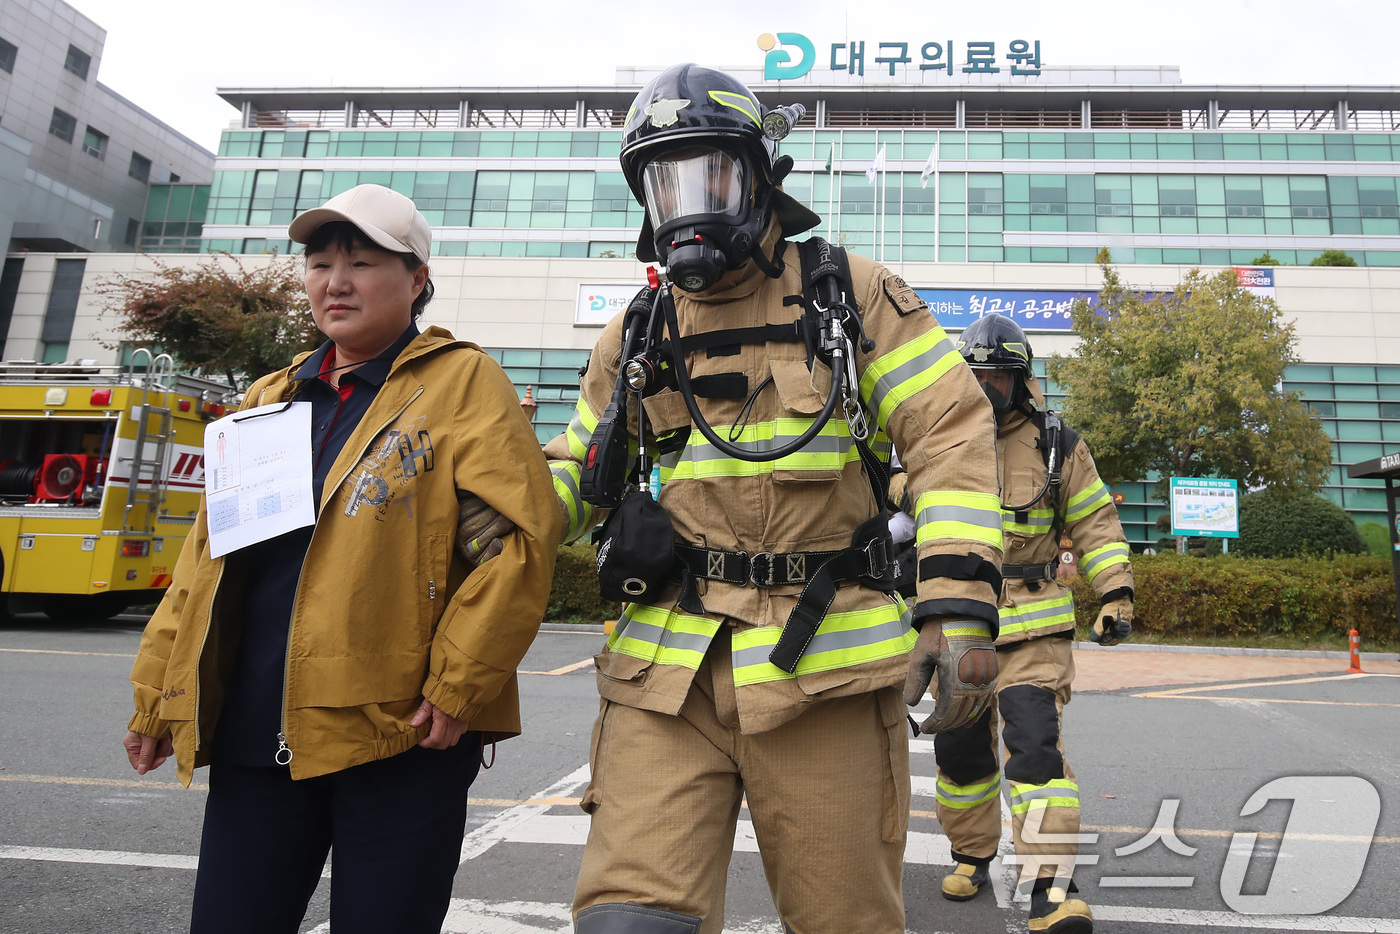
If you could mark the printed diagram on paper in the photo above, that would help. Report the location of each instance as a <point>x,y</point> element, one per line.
<point>258,475</point>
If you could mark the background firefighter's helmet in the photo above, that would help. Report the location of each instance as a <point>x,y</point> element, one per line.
<point>687,106</point>
<point>995,342</point>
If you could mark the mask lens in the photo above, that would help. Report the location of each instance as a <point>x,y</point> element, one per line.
<point>693,182</point>
<point>997,385</point>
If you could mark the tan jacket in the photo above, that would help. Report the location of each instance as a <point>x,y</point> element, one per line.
<point>921,395</point>
<point>1029,610</point>
<point>386,613</point>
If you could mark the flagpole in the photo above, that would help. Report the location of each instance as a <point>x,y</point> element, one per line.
<point>831,192</point>
<point>881,219</point>
<point>937,194</point>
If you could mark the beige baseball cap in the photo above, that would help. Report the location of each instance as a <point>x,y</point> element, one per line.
<point>386,217</point>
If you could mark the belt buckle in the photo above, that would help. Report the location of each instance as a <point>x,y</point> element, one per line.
<point>768,558</point>
<point>876,558</point>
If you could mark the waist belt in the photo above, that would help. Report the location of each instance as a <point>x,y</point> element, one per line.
<point>1030,572</point>
<point>770,569</point>
<point>870,559</point>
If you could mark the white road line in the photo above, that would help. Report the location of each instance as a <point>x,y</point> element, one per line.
<point>99,857</point>
<point>499,827</point>
<point>1229,919</point>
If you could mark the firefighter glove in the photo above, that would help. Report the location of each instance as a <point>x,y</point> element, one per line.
<point>1114,623</point>
<point>898,498</point>
<point>479,529</point>
<point>955,662</point>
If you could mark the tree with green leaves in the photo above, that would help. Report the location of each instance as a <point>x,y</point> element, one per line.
<point>1264,260</point>
<point>219,316</point>
<point>1333,258</point>
<point>1189,384</point>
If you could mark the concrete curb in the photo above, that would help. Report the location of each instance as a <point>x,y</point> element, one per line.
<point>1232,650</point>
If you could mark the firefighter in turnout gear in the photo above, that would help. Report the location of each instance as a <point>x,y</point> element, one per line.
<point>770,660</point>
<point>1049,486</point>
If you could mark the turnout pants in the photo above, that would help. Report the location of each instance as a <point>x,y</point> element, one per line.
<point>1032,688</point>
<point>828,795</point>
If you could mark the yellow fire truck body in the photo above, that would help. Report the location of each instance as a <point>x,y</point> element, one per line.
<point>101,470</point>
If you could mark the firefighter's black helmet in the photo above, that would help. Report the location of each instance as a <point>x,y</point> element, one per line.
<point>688,105</point>
<point>995,342</point>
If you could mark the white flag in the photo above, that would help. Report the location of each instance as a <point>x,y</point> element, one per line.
<point>877,166</point>
<point>930,166</point>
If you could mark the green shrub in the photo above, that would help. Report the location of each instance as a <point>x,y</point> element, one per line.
<point>1376,537</point>
<point>573,596</point>
<point>1283,525</point>
<point>1234,598</point>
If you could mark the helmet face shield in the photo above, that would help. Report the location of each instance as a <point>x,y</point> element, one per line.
<point>999,385</point>
<point>696,182</point>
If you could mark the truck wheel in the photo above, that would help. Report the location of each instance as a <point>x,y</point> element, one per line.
<point>73,608</point>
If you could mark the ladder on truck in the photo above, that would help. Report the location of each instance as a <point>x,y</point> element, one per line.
<point>155,427</point>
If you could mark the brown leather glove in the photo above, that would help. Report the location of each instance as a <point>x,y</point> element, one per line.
<point>1114,622</point>
<point>898,498</point>
<point>960,652</point>
<point>479,529</point>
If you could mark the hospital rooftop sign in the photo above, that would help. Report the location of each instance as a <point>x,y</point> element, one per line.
<point>789,56</point>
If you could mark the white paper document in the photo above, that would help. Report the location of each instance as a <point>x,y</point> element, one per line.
<point>257,475</point>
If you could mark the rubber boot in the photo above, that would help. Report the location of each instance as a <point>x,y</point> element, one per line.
<point>1053,912</point>
<point>964,882</point>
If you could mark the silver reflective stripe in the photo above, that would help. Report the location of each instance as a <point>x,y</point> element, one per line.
<point>1091,567</point>
<point>982,518</point>
<point>1015,617</point>
<point>972,798</point>
<point>653,634</point>
<point>565,476</point>
<point>907,370</point>
<point>1045,791</point>
<point>830,641</point>
<point>822,444</point>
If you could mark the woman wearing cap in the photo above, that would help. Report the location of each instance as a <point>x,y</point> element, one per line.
<point>341,678</point>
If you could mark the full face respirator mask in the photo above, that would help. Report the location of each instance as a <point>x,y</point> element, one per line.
<point>701,205</point>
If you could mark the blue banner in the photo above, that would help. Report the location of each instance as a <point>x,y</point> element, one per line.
<point>1036,310</point>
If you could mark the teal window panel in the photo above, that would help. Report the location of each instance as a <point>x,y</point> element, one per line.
<point>1355,498</point>
<point>984,146</point>
<point>1245,225</point>
<point>1390,431</point>
<point>1273,148</point>
<point>1149,255</point>
<point>1209,149</point>
<point>1112,146</point>
<point>495,146</point>
<point>1079,146</point>
<point>1180,256</point>
<point>1354,374</point>
<point>1049,254</point>
<point>952,145</point>
<point>1353,391</point>
<point>1018,254</point>
<point>1149,224</point>
<point>484,248</point>
<point>1358,410</point>
<point>978,254</point>
<point>1211,257</point>
<point>1388,374</point>
<point>1210,189</point>
<point>1387,391</point>
<point>1338,147</point>
<point>951,254</point>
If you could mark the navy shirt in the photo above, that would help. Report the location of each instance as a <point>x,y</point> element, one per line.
<point>251,716</point>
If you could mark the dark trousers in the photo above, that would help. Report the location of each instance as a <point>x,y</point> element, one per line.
<point>393,827</point>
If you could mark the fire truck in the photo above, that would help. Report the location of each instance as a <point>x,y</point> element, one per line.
<point>101,471</point>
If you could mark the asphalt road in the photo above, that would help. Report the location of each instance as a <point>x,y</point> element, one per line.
<point>88,846</point>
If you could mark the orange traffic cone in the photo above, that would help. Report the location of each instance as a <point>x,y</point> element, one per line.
<point>1355,638</point>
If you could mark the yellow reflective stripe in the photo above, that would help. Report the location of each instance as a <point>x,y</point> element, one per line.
<point>738,101</point>
<point>830,449</point>
<point>944,514</point>
<point>580,429</point>
<point>1101,559</point>
<point>1059,792</point>
<point>968,628</point>
<point>897,375</point>
<point>1038,615</point>
<point>663,636</point>
<point>962,797</point>
<point>566,481</point>
<point>844,639</point>
<point>1086,501</point>
<point>1038,522</point>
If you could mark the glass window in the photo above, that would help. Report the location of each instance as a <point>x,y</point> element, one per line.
<point>77,62</point>
<point>140,168</point>
<point>8,50</point>
<point>983,194</point>
<point>95,143</point>
<point>62,125</point>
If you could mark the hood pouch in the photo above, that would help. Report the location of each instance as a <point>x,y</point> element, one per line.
<point>636,550</point>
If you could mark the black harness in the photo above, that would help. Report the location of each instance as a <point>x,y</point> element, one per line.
<point>1055,442</point>
<point>827,287</point>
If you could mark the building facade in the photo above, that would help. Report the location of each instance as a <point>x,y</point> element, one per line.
<point>985,190</point>
<point>76,158</point>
